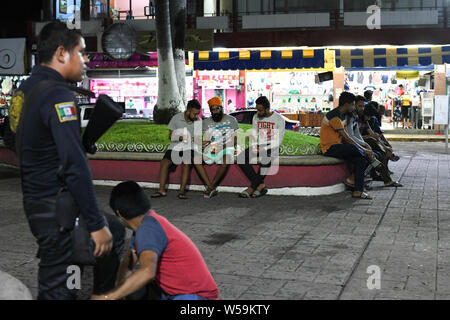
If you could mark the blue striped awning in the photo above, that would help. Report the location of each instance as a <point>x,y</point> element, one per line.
<point>392,57</point>
<point>259,59</point>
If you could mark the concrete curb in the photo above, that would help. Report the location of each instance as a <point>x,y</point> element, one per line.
<point>423,138</point>
<point>291,191</point>
<point>307,160</point>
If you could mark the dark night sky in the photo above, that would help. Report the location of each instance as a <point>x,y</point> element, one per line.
<point>15,13</point>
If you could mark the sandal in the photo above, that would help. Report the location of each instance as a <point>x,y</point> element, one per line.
<point>363,195</point>
<point>395,184</point>
<point>209,193</point>
<point>258,193</point>
<point>394,158</point>
<point>158,194</point>
<point>349,185</point>
<point>182,196</point>
<point>245,194</point>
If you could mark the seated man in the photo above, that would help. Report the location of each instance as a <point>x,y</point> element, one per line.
<point>165,253</point>
<point>335,142</point>
<point>375,125</point>
<point>352,128</point>
<point>181,133</point>
<point>371,131</point>
<point>219,140</point>
<point>267,135</point>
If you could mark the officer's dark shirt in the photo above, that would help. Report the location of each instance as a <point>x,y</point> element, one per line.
<point>49,142</point>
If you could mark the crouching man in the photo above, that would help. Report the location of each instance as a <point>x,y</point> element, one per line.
<point>165,253</point>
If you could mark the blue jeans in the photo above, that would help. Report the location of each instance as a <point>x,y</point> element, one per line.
<point>353,154</point>
<point>182,297</point>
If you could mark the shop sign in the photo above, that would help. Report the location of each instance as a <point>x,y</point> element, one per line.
<point>407,75</point>
<point>12,56</point>
<point>441,109</point>
<point>224,79</point>
<point>195,40</point>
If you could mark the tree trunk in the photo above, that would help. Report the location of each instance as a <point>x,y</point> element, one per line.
<point>169,100</point>
<point>178,26</point>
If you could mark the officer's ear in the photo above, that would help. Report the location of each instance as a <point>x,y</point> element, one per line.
<point>62,55</point>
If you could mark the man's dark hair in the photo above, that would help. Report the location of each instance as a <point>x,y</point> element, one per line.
<point>129,199</point>
<point>371,109</point>
<point>53,35</point>
<point>359,98</point>
<point>368,95</point>
<point>193,104</point>
<point>346,97</point>
<point>263,101</point>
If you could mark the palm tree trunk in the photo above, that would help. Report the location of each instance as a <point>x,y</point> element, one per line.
<point>169,101</point>
<point>178,26</point>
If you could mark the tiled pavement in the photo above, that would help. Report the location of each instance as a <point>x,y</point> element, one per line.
<point>296,247</point>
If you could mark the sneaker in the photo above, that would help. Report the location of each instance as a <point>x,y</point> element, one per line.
<point>211,194</point>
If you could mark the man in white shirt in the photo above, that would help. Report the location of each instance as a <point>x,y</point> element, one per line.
<point>268,132</point>
<point>219,141</point>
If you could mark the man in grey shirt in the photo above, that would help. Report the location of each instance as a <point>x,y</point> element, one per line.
<point>181,150</point>
<point>219,140</point>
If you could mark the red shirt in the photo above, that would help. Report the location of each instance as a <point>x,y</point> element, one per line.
<point>181,268</point>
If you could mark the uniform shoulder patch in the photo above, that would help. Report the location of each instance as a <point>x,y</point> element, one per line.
<point>66,111</point>
<point>15,109</point>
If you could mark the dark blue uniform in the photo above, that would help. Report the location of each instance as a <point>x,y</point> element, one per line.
<point>51,149</point>
<point>50,142</point>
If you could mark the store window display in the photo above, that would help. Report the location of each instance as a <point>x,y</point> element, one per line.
<point>290,91</point>
<point>395,93</point>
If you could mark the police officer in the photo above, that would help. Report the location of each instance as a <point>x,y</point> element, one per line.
<point>51,150</point>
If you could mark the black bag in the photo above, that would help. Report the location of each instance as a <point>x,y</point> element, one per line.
<point>82,245</point>
<point>70,220</point>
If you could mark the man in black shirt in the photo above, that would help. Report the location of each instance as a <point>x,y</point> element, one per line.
<point>51,157</point>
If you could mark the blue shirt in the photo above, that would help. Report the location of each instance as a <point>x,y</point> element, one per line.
<point>149,236</point>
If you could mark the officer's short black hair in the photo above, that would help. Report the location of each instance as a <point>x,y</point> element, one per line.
<point>263,101</point>
<point>129,199</point>
<point>359,98</point>
<point>53,35</point>
<point>346,97</point>
<point>193,104</point>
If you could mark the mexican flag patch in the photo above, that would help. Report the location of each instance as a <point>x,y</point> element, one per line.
<point>66,111</point>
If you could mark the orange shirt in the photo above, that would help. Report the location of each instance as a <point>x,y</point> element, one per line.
<point>332,123</point>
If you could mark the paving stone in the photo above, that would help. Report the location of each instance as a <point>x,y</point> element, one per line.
<point>296,247</point>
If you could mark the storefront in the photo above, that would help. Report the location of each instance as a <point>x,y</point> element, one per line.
<point>226,84</point>
<point>133,83</point>
<point>397,76</point>
<point>289,78</point>
<point>12,67</point>
<point>290,92</point>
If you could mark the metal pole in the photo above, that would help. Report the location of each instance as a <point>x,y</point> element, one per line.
<point>446,137</point>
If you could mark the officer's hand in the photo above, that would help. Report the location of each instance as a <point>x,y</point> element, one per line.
<point>103,242</point>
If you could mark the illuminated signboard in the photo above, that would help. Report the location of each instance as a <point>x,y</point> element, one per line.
<point>65,9</point>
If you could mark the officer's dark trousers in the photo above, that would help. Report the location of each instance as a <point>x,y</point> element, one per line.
<point>244,163</point>
<point>353,154</point>
<point>55,251</point>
